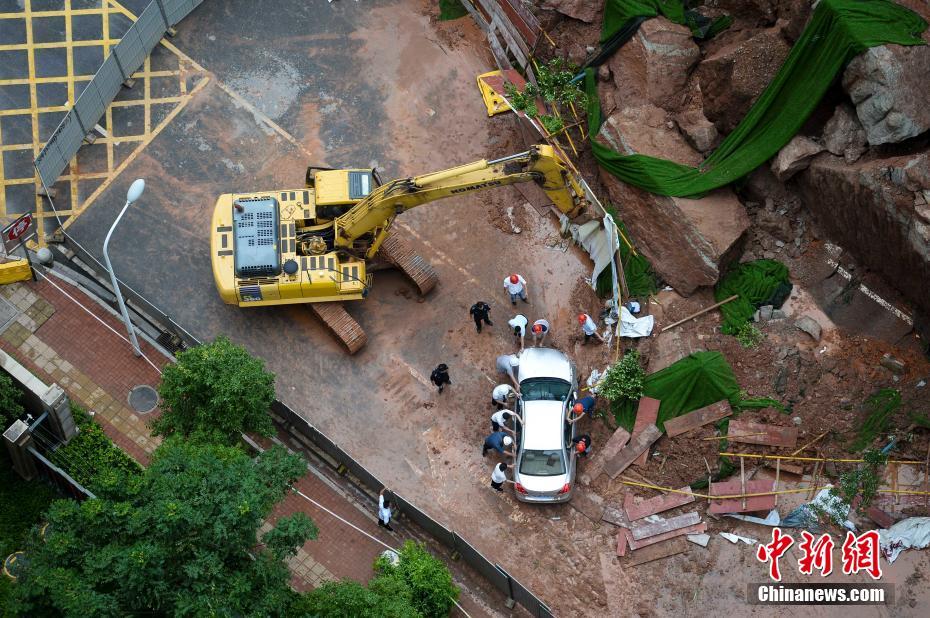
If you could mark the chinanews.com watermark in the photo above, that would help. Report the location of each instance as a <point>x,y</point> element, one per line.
<point>858,553</point>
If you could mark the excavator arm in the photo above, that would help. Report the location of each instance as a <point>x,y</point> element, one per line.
<point>540,164</point>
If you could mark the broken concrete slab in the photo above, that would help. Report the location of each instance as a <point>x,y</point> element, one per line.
<point>699,539</point>
<point>623,541</point>
<point>795,156</point>
<point>631,451</point>
<point>810,326</point>
<point>644,529</point>
<point>697,418</point>
<point>880,517</point>
<point>658,538</point>
<point>589,504</point>
<point>616,442</point>
<point>735,505</point>
<point>659,551</point>
<point>638,509</point>
<point>615,516</point>
<point>646,414</point>
<point>748,432</point>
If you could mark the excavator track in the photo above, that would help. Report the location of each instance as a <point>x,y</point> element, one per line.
<point>343,325</point>
<point>398,253</point>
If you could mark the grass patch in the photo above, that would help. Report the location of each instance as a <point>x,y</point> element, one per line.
<point>22,505</point>
<point>879,408</point>
<point>451,9</point>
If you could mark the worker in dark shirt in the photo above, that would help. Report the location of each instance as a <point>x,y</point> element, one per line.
<point>479,312</point>
<point>582,445</point>
<point>440,376</point>
<point>497,441</point>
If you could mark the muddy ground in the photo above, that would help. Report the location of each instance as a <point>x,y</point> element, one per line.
<point>383,84</point>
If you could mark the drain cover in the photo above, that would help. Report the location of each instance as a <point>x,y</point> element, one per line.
<point>143,399</point>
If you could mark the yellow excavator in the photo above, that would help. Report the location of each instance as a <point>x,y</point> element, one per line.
<point>317,244</point>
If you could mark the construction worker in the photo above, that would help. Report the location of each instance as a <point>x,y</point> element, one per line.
<point>440,376</point>
<point>508,364</point>
<point>588,327</point>
<point>582,407</point>
<point>384,511</point>
<point>504,394</point>
<point>499,477</point>
<point>518,324</point>
<point>582,445</point>
<point>540,329</point>
<point>479,312</point>
<point>516,287</point>
<point>497,441</point>
<point>499,420</point>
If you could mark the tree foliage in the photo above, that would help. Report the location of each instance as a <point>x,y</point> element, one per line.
<point>180,541</point>
<point>625,380</point>
<point>10,397</point>
<point>216,390</point>
<point>350,598</point>
<point>429,581</point>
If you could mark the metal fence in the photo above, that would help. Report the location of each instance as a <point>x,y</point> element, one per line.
<point>59,478</point>
<point>124,59</point>
<point>500,579</point>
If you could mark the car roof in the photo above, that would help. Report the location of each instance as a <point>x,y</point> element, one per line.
<point>542,425</point>
<point>544,363</point>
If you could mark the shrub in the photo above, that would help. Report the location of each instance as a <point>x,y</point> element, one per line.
<point>625,380</point>
<point>748,335</point>
<point>10,396</point>
<point>432,592</point>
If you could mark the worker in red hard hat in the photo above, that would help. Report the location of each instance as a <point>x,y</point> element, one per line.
<point>540,329</point>
<point>516,287</point>
<point>582,445</point>
<point>581,408</point>
<point>588,327</point>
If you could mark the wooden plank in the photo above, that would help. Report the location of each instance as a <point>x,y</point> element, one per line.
<point>659,551</point>
<point>601,456</point>
<point>646,414</point>
<point>615,516</point>
<point>644,529</point>
<point>631,451</point>
<point>513,44</point>
<point>786,437</point>
<point>702,416</point>
<point>589,504</point>
<point>735,505</point>
<point>695,529</point>
<point>522,21</point>
<point>880,517</point>
<point>503,62</point>
<point>623,541</point>
<point>637,510</point>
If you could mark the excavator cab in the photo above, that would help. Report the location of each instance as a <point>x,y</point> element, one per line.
<point>338,190</point>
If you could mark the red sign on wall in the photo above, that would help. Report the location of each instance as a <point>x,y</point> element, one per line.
<point>17,232</point>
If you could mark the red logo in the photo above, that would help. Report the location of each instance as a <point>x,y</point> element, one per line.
<point>19,228</point>
<point>771,552</point>
<point>860,553</point>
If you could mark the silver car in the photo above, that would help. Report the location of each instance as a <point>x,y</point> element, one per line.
<point>545,468</point>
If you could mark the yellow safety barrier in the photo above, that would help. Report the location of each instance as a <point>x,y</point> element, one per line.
<point>17,270</point>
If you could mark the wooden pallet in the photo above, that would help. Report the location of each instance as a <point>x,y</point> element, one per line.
<point>343,325</point>
<point>397,252</point>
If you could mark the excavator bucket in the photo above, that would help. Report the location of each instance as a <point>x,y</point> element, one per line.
<point>492,90</point>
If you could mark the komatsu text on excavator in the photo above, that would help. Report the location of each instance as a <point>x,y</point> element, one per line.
<point>317,244</point>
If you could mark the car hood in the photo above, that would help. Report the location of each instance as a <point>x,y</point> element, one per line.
<point>544,363</point>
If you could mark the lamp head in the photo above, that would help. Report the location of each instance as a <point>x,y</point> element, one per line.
<point>135,190</point>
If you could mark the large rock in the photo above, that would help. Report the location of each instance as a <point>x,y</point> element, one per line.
<point>734,76</point>
<point>586,10</point>
<point>700,132</point>
<point>687,241</point>
<point>843,134</point>
<point>889,85</point>
<point>794,156</point>
<point>872,208</point>
<point>654,65</point>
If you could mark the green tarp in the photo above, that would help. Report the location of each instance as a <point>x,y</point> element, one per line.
<point>838,31</point>
<point>617,13</point>
<point>758,283</point>
<point>695,381</point>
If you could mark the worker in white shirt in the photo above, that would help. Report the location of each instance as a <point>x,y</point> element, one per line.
<point>516,287</point>
<point>588,327</point>
<point>540,329</point>
<point>499,477</point>
<point>500,418</point>
<point>504,394</point>
<point>508,364</point>
<point>518,324</point>
<point>384,511</point>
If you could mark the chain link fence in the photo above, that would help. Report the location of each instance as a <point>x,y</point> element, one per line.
<point>124,60</point>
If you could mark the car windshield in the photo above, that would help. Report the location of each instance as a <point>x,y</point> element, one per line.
<point>545,389</point>
<point>542,463</point>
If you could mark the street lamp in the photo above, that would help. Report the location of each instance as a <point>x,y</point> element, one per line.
<point>134,193</point>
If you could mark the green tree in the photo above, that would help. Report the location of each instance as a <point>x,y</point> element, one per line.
<point>10,397</point>
<point>218,391</point>
<point>180,541</point>
<point>350,598</point>
<point>432,592</point>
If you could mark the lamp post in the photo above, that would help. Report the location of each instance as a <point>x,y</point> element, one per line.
<point>134,193</point>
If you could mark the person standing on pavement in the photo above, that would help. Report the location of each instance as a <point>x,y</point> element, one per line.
<point>479,312</point>
<point>518,324</point>
<point>516,287</point>
<point>508,364</point>
<point>499,420</point>
<point>497,441</point>
<point>499,477</point>
<point>582,407</point>
<point>540,329</point>
<point>588,327</point>
<point>384,511</point>
<point>504,394</point>
<point>440,376</point>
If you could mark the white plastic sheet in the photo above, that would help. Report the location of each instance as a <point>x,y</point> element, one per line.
<point>631,326</point>
<point>913,532</point>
